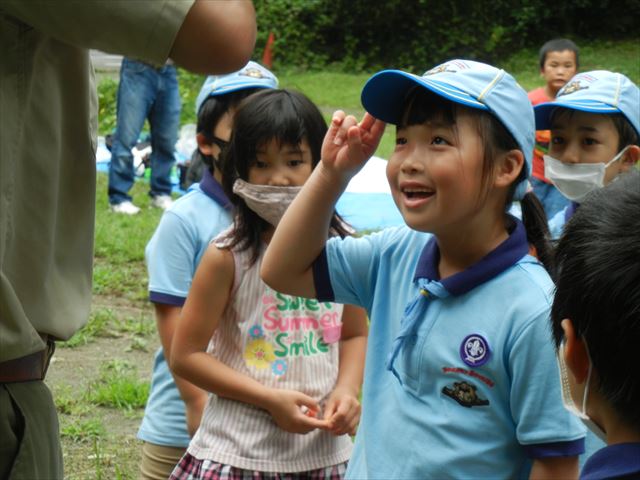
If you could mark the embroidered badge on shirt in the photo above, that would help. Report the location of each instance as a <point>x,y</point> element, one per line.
<point>474,350</point>
<point>466,394</point>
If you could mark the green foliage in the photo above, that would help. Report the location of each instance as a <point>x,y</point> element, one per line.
<point>107,95</point>
<point>412,35</point>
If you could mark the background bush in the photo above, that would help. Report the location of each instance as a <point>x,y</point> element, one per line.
<point>410,34</point>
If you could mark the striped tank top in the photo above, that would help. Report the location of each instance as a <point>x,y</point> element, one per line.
<point>283,342</point>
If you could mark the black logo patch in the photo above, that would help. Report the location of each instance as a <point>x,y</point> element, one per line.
<point>466,394</point>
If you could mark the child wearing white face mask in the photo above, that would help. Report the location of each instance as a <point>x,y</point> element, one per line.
<point>595,320</point>
<point>286,371</point>
<point>595,126</point>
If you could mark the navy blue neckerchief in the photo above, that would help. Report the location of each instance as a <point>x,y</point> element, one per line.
<point>570,210</point>
<point>427,279</point>
<point>212,189</point>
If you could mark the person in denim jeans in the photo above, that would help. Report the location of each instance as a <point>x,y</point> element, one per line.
<point>145,92</point>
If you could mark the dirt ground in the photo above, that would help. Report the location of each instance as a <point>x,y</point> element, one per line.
<point>97,441</point>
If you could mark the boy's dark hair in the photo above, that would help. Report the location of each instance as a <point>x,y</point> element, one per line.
<point>598,289</point>
<point>421,105</point>
<point>212,109</point>
<point>558,45</point>
<point>283,115</point>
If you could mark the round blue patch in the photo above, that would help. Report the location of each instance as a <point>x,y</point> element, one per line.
<point>474,350</point>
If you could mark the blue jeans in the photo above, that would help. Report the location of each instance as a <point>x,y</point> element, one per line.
<point>550,197</point>
<point>144,92</point>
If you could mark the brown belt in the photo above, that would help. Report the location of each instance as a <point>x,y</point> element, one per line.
<point>28,368</point>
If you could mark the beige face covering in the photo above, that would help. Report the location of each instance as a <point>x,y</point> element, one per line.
<point>269,202</point>
<point>567,399</point>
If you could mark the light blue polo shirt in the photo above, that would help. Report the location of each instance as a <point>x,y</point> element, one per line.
<point>172,254</point>
<point>556,224</point>
<point>477,393</point>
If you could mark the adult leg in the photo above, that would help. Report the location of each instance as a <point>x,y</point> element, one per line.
<point>164,119</point>
<point>29,432</point>
<point>136,94</point>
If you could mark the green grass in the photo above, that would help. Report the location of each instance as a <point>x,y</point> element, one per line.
<point>83,430</point>
<point>119,387</point>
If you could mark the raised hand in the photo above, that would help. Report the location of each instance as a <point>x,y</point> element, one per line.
<point>291,411</point>
<point>342,412</point>
<point>349,144</point>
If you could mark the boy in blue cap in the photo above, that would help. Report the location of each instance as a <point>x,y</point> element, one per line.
<point>457,380</point>
<point>173,410</point>
<point>595,131</point>
<point>596,324</point>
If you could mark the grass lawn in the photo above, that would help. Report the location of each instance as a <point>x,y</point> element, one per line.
<point>100,378</point>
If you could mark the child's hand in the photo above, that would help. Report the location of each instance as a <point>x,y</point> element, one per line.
<point>294,411</point>
<point>342,412</point>
<point>349,144</point>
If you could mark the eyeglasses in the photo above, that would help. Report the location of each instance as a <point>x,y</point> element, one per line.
<point>222,144</point>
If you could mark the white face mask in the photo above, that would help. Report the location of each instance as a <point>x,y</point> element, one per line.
<point>567,400</point>
<point>576,180</point>
<point>269,202</point>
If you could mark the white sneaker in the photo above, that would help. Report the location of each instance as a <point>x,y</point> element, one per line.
<point>125,207</point>
<point>161,201</point>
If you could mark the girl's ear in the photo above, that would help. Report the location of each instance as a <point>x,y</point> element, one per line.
<point>575,352</point>
<point>203,145</point>
<point>630,158</point>
<point>508,168</point>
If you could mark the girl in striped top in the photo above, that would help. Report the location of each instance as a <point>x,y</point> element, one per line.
<point>286,371</point>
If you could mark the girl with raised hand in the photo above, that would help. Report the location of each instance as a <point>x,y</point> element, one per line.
<point>460,379</point>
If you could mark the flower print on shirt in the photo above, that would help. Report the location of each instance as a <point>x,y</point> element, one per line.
<point>259,353</point>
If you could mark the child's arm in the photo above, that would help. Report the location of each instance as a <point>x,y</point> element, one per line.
<point>554,467</point>
<point>302,232</point>
<point>343,408</point>
<point>207,299</point>
<point>194,398</point>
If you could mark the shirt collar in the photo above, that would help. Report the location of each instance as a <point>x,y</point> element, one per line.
<point>571,209</point>
<point>613,461</point>
<point>491,265</point>
<point>211,188</point>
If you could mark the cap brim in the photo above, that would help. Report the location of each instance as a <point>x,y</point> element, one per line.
<point>544,111</point>
<point>235,88</point>
<point>384,94</point>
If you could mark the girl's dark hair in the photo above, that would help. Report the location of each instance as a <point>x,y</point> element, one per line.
<point>286,116</point>
<point>422,105</point>
<point>210,114</point>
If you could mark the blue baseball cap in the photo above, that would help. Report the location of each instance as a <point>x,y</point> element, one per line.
<point>252,75</point>
<point>472,84</point>
<point>599,91</point>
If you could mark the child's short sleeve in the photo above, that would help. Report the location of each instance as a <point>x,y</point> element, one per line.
<point>543,426</point>
<point>171,259</point>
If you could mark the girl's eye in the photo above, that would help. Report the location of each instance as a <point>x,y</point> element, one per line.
<point>557,140</point>
<point>295,163</point>
<point>401,141</point>
<point>260,164</point>
<point>439,141</point>
<point>590,141</point>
